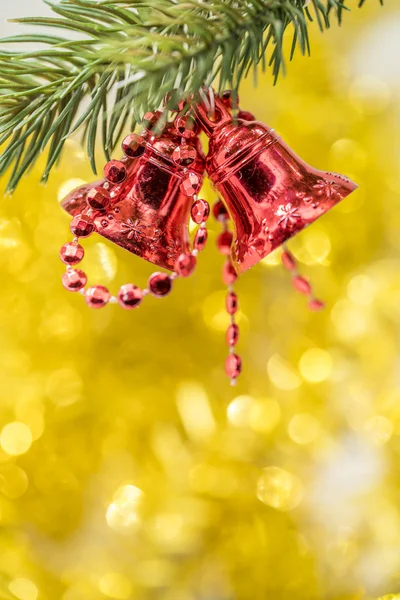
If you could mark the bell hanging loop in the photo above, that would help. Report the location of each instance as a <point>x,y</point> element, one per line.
<point>209,113</point>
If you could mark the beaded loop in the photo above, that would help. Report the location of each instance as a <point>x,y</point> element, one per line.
<point>129,295</point>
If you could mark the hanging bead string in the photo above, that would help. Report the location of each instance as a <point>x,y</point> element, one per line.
<point>301,284</point>
<point>185,155</point>
<point>97,296</point>
<point>233,363</point>
<point>200,213</point>
<point>99,199</point>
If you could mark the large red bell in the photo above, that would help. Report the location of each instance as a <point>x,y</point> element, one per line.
<point>150,195</point>
<point>270,193</point>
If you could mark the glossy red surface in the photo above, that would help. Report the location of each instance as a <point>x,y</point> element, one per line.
<point>185,265</point>
<point>233,365</point>
<point>200,211</point>
<point>224,242</point>
<point>232,303</point>
<point>184,155</point>
<point>115,171</point>
<point>271,194</point>
<point>149,213</point>
<point>315,304</point>
<point>219,211</point>
<point>229,274</point>
<point>130,296</point>
<point>133,145</point>
<point>160,284</point>
<point>97,296</point>
<point>98,198</point>
<point>71,253</point>
<point>74,280</point>
<point>81,226</point>
<point>232,335</point>
<point>288,261</point>
<point>301,285</point>
<point>200,239</point>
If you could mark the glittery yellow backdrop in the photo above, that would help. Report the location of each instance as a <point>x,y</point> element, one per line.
<point>129,468</point>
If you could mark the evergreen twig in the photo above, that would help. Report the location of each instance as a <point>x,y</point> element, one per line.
<point>141,48</point>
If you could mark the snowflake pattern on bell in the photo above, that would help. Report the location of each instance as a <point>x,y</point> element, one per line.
<point>250,245</point>
<point>330,189</point>
<point>133,229</point>
<point>288,215</point>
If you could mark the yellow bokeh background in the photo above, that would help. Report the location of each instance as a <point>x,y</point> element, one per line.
<point>129,468</point>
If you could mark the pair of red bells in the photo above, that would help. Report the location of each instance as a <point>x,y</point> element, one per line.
<point>146,199</point>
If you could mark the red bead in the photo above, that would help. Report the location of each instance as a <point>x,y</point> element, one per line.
<point>97,296</point>
<point>74,280</point>
<point>186,126</point>
<point>115,171</point>
<point>232,303</point>
<point>173,101</point>
<point>184,155</point>
<point>160,284</point>
<point>200,211</point>
<point>301,285</point>
<point>71,253</point>
<point>233,365</point>
<point>288,260</point>
<point>232,335</point>
<point>133,145</point>
<point>190,184</point>
<point>316,305</point>
<point>229,274</point>
<point>130,296</point>
<point>98,198</point>
<point>150,119</point>
<point>185,265</point>
<point>228,97</point>
<point>246,116</point>
<point>224,242</point>
<point>200,239</point>
<point>220,212</point>
<point>81,226</point>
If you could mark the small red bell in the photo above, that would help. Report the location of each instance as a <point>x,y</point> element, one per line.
<point>270,193</point>
<point>144,202</point>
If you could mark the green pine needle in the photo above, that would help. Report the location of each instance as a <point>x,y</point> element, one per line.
<point>128,55</point>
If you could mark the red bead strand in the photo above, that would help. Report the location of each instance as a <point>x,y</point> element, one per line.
<point>233,362</point>
<point>300,283</point>
<point>99,198</point>
<point>97,296</point>
<point>186,263</point>
<point>200,213</point>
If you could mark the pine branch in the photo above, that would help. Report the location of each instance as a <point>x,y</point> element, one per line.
<point>141,49</point>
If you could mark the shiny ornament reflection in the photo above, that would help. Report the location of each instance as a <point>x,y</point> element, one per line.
<point>270,193</point>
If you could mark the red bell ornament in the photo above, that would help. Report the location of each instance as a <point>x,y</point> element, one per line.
<point>270,193</point>
<point>147,196</point>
